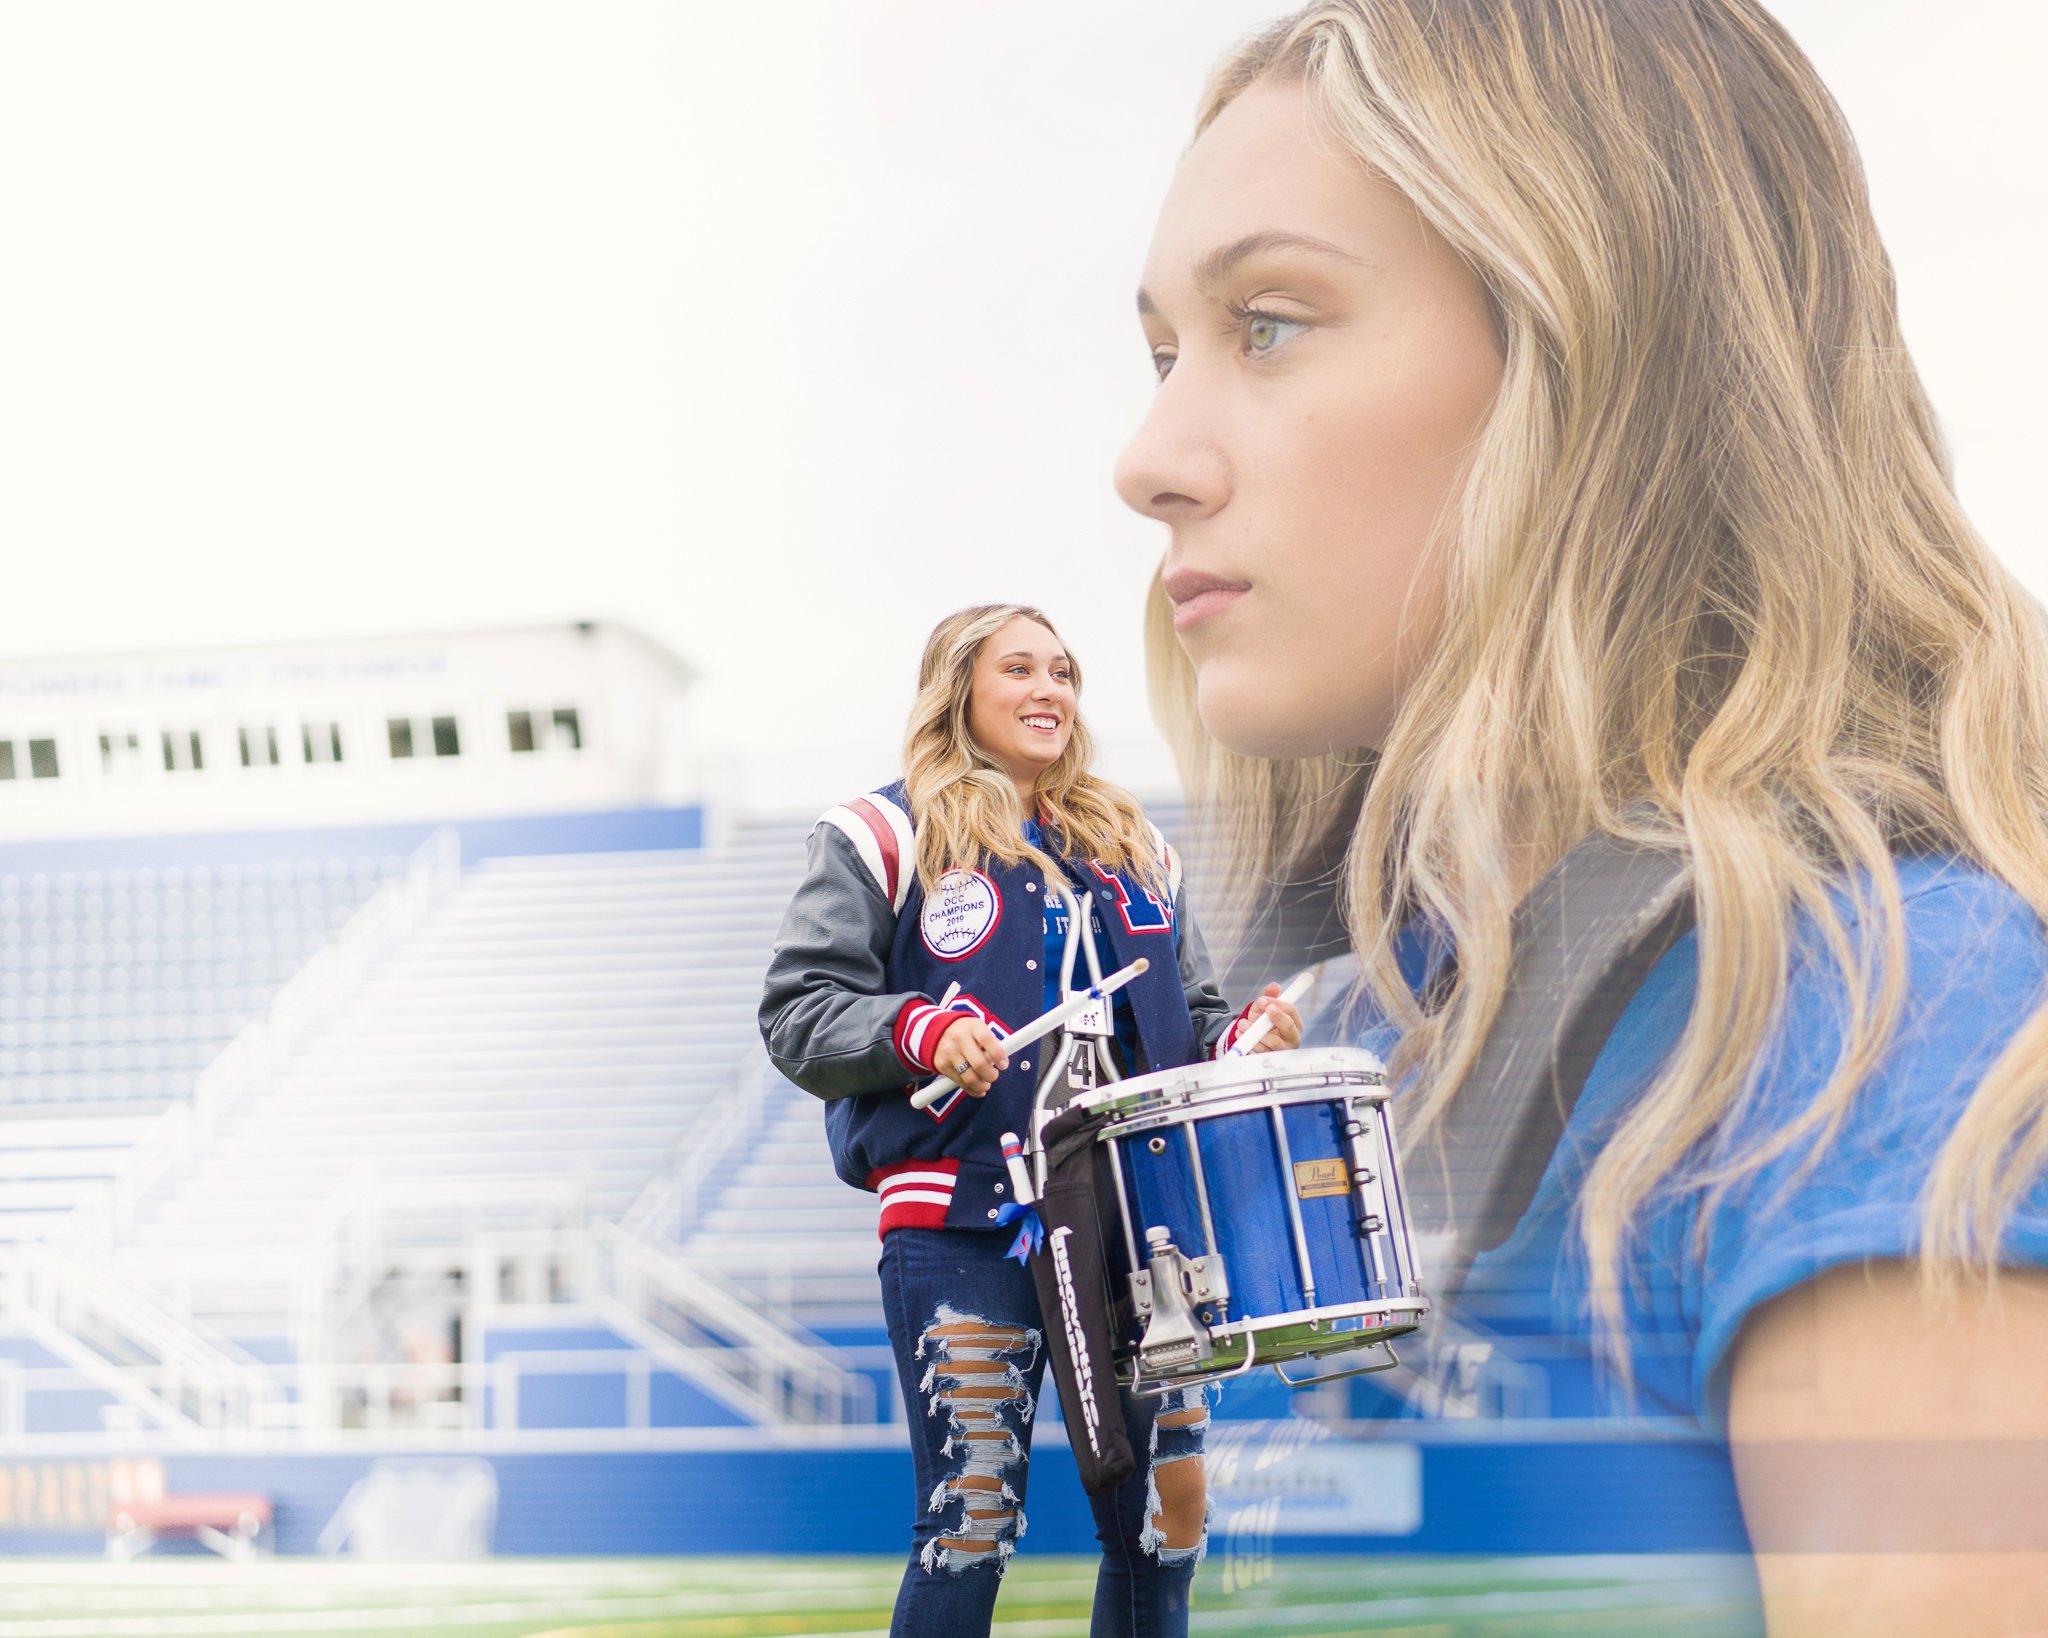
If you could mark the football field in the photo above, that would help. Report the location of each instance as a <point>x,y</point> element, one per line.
<point>847,1598</point>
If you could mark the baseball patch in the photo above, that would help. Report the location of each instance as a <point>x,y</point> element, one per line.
<point>961,914</point>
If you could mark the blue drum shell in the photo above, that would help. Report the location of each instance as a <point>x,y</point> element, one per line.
<point>1249,1188</point>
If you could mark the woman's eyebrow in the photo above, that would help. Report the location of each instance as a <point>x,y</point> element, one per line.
<point>1026,654</point>
<point>1225,260</point>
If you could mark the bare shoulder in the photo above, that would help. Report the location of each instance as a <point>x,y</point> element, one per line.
<point>1891,1452</point>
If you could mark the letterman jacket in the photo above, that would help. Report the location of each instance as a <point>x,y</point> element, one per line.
<point>851,1010</point>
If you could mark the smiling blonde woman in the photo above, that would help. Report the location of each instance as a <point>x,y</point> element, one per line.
<point>1541,456</point>
<point>921,936</point>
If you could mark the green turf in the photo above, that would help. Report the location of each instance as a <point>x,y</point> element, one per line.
<point>752,1598</point>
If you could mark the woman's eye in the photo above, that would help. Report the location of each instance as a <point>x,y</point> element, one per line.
<point>1263,332</point>
<point>1162,363</point>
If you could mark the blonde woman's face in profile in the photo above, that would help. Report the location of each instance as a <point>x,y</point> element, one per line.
<point>1326,361</point>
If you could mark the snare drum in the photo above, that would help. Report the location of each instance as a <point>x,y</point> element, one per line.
<point>1261,1215</point>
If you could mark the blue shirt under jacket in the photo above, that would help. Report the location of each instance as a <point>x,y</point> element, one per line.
<point>1977,967</point>
<point>1053,917</point>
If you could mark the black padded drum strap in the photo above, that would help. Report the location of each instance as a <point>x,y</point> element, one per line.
<point>1076,1300</point>
<point>1583,942</point>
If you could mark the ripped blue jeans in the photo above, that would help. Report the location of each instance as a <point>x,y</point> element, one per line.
<point>964,1321</point>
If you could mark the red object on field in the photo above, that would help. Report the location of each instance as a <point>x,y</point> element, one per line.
<point>221,1512</point>
<point>231,1523</point>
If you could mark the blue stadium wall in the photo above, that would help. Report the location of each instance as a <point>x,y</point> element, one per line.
<point>620,830</point>
<point>1556,1495</point>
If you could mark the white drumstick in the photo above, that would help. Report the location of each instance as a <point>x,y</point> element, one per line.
<point>1297,986</point>
<point>1044,1024</point>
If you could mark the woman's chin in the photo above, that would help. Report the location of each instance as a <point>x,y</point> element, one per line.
<point>1251,717</point>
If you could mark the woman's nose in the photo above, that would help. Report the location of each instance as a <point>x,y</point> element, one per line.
<point>1171,470</point>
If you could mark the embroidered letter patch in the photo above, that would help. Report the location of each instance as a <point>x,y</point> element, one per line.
<point>961,914</point>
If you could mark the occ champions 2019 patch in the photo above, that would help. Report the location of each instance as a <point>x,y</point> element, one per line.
<point>960,914</point>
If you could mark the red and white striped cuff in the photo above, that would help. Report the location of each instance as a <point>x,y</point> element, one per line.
<point>914,1194</point>
<point>917,1031</point>
<point>1230,1035</point>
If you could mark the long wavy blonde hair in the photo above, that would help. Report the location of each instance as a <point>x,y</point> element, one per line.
<point>963,803</point>
<point>1711,588</point>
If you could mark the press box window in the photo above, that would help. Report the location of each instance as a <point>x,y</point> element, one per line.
<point>42,758</point>
<point>119,752</point>
<point>322,741</point>
<point>423,736</point>
<point>6,759</point>
<point>182,751</point>
<point>560,730</point>
<point>259,748</point>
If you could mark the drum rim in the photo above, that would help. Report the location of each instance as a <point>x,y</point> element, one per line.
<point>1416,1306</point>
<point>1135,1122</point>
<point>1409,1314</point>
<point>1256,1066</point>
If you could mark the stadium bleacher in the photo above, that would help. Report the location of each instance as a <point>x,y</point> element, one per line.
<point>553,1046</point>
<point>119,986</point>
<point>545,1039</point>
<point>522,1163</point>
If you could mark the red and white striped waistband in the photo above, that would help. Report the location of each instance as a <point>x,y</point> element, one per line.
<point>915,1194</point>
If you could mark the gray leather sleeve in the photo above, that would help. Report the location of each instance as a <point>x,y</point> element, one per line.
<point>826,1011</point>
<point>1206,1007</point>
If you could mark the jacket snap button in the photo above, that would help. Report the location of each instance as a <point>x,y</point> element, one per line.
<point>1031,966</point>
<point>992,1211</point>
<point>1026,1064</point>
<point>1031,887</point>
<point>999,1188</point>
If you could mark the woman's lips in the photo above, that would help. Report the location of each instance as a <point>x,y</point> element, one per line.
<point>1197,597</point>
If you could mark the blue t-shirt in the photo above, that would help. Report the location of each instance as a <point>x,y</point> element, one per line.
<point>1977,966</point>
<point>1054,919</point>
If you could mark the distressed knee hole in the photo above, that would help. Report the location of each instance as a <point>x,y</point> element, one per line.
<point>1180,1498</point>
<point>1196,1417</point>
<point>972,1390</point>
<point>973,1334</point>
<point>975,1378</point>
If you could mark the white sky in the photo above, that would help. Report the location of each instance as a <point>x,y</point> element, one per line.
<point>778,330</point>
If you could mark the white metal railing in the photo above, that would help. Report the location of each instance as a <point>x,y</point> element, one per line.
<point>791,1376</point>
<point>130,1336</point>
<point>342,1261</point>
<point>668,1205</point>
<point>14,1400</point>
<point>428,1399</point>
<point>638,1370</point>
<point>261,1049</point>
<point>161,1372</point>
<point>378,1398</point>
